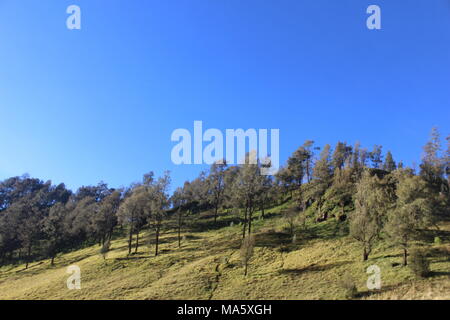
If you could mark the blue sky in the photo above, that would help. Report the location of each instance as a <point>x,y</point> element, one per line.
<point>101,103</point>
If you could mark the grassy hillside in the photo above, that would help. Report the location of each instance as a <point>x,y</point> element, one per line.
<point>207,266</point>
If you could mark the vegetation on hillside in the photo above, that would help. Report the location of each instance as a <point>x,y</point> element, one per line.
<point>326,213</point>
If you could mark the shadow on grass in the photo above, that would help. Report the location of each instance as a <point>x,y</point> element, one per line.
<point>31,266</point>
<point>326,230</point>
<point>384,289</point>
<point>430,235</point>
<point>207,225</point>
<point>272,239</point>
<point>314,268</point>
<point>391,256</point>
<point>131,257</point>
<point>439,253</point>
<point>439,273</point>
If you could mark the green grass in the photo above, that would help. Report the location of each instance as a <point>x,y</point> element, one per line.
<point>207,266</point>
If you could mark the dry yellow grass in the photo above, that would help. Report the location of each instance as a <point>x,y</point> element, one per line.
<point>207,266</point>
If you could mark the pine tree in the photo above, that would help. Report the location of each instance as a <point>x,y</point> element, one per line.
<point>339,156</point>
<point>376,156</point>
<point>296,167</point>
<point>432,168</point>
<point>342,153</point>
<point>389,163</point>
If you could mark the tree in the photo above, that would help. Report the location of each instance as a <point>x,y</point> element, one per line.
<point>29,227</point>
<point>158,205</point>
<point>246,253</point>
<point>106,219</point>
<point>130,214</point>
<point>341,154</point>
<point>98,192</point>
<point>290,215</point>
<point>342,189</point>
<point>364,157</point>
<point>284,180</point>
<point>299,166</point>
<point>248,187</point>
<point>180,202</point>
<point>365,221</point>
<point>296,166</point>
<point>376,156</point>
<point>105,248</point>
<point>358,161</point>
<point>216,184</point>
<point>54,228</point>
<point>268,193</point>
<point>199,193</point>
<point>309,155</point>
<point>79,219</point>
<point>432,168</point>
<point>389,163</point>
<point>412,212</point>
<point>321,180</point>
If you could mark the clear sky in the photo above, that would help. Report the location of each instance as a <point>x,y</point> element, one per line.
<point>100,103</point>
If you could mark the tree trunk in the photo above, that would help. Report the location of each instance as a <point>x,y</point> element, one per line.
<point>28,256</point>
<point>319,209</point>
<point>137,242</point>
<point>130,240</point>
<point>365,254</point>
<point>262,211</point>
<point>405,256</point>
<point>245,269</point>
<point>215,213</point>
<point>250,223</point>
<point>157,240</point>
<point>245,224</point>
<point>52,263</point>
<point>179,230</point>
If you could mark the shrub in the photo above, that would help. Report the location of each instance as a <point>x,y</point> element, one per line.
<point>348,284</point>
<point>437,241</point>
<point>419,264</point>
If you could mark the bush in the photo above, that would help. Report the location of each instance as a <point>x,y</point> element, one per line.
<point>437,241</point>
<point>419,264</point>
<point>348,284</point>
